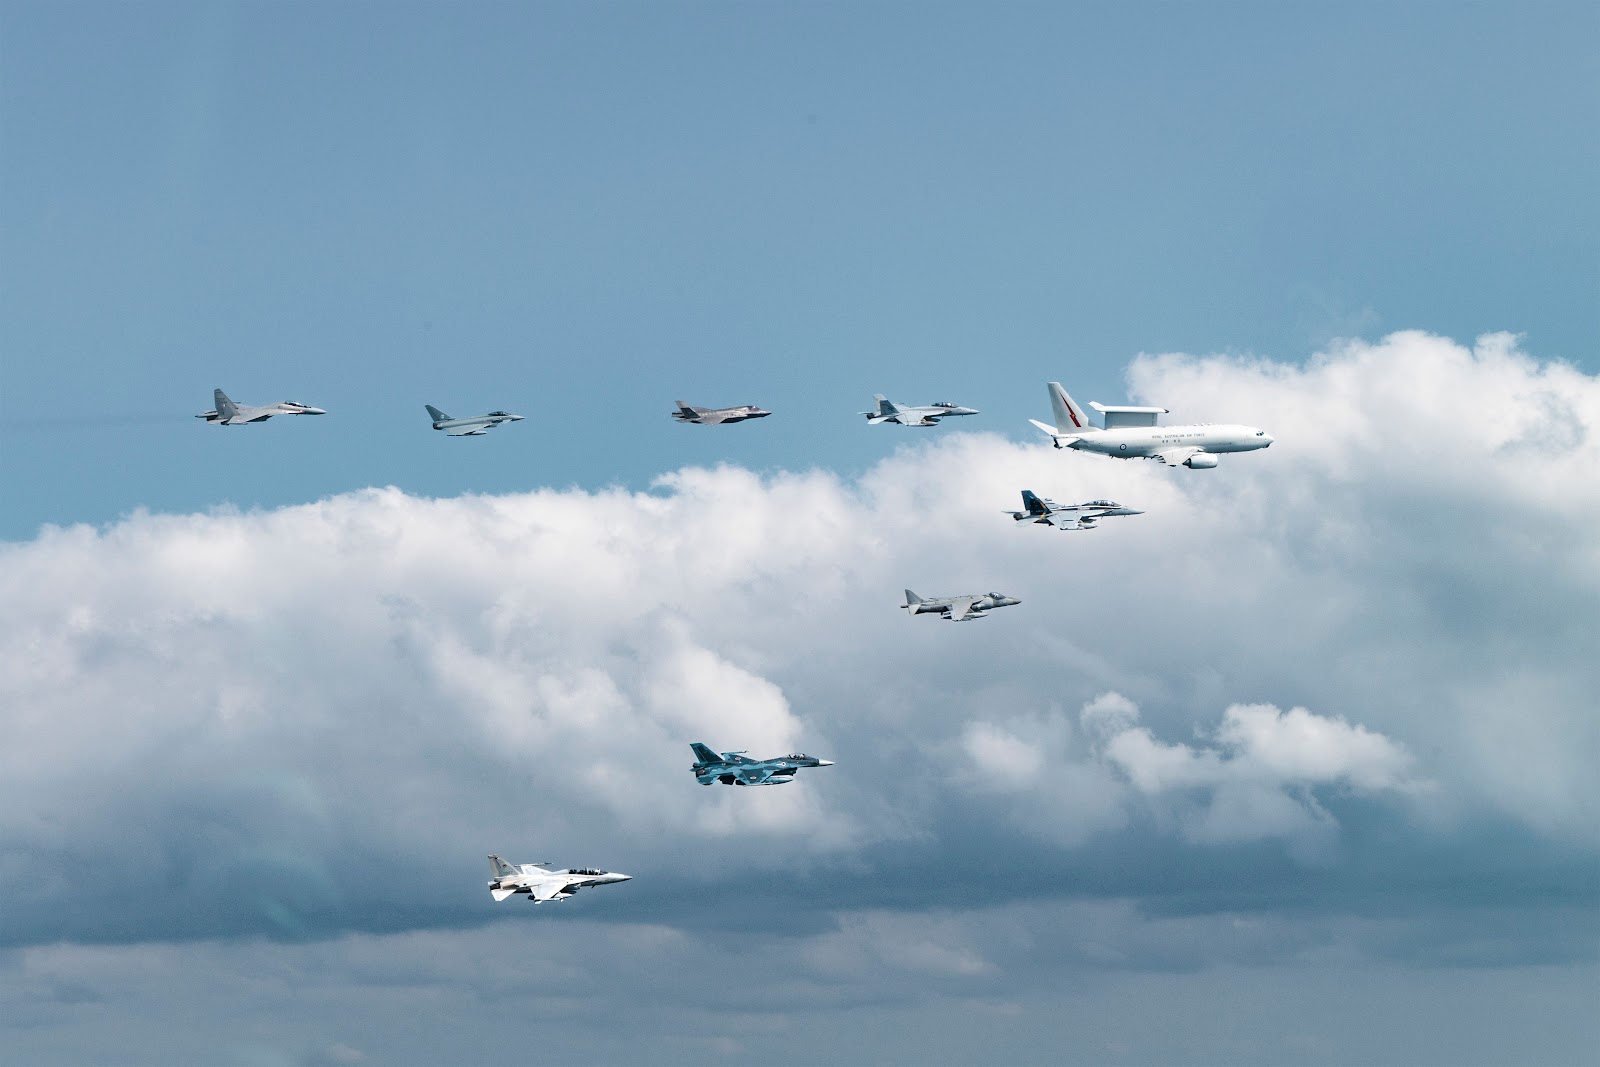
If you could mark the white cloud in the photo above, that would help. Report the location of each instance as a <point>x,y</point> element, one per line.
<point>296,699</point>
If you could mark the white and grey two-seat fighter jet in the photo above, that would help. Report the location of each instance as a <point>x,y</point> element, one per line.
<point>1038,509</point>
<point>227,413</point>
<point>736,768</point>
<point>958,608</point>
<point>541,884</point>
<point>1132,433</point>
<point>887,410</point>
<point>473,426</point>
<point>717,416</point>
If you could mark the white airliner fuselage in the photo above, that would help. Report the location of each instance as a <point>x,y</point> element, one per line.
<point>1131,433</point>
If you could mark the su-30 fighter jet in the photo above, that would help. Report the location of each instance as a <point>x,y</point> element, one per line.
<point>228,413</point>
<point>717,416</point>
<point>542,884</point>
<point>958,608</point>
<point>472,426</point>
<point>1132,433</point>
<point>888,411</point>
<point>1067,516</point>
<point>735,768</point>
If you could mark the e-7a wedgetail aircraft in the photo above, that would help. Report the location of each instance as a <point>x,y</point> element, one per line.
<point>228,413</point>
<point>888,411</point>
<point>717,416</point>
<point>1132,433</point>
<point>735,768</point>
<point>541,883</point>
<point>1067,516</point>
<point>958,608</point>
<point>473,426</point>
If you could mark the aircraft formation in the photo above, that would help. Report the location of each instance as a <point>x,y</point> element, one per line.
<point>1126,433</point>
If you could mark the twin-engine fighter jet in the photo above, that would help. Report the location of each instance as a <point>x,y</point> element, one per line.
<point>474,426</point>
<point>228,413</point>
<point>542,884</point>
<point>1132,433</point>
<point>888,411</point>
<point>1067,516</point>
<point>958,608</point>
<point>717,416</point>
<point>735,768</point>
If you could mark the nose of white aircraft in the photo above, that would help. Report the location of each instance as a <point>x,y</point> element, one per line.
<point>824,763</point>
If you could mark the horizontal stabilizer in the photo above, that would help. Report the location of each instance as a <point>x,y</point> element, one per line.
<point>501,894</point>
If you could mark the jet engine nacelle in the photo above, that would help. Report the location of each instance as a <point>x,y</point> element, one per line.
<point>1201,461</point>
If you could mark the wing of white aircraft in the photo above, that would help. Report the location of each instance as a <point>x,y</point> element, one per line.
<point>961,608</point>
<point>1064,520</point>
<point>470,431</point>
<point>1174,457</point>
<point>543,891</point>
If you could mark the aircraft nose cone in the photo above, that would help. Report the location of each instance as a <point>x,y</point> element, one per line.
<point>314,411</point>
<point>824,763</point>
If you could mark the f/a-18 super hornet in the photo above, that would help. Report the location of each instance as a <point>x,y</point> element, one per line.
<point>540,883</point>
<point>469,427</point>
<point>1067,516</point>
<point>735,768</point>
<point>958,608</point>
<point>717,416</point>
<point>887,410</point>
<point>227,413</point>
<point>1132,433</point>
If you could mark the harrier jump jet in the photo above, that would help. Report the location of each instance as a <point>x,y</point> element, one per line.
<point>958,608</point>
<point>717,416</point>
<point>1132,433</point>
<point>1067,516</point>
<point>228,413</point>
<point>542,884</point>
<point>472,426</point>
<point>735,768</point>
<point>888,411</point>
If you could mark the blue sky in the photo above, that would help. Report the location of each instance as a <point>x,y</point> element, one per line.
<point>583,212</point>
<point>1295,767</point>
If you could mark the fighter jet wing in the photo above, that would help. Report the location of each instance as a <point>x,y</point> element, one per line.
<point>754,777</point>
<point>543,891</point>
<point>470,431</point>
<point>1174,457</point>
<point>961,608</point>
<point>1064,520</point>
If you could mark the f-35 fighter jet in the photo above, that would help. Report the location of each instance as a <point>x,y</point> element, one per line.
<point>542,884</point>
<point>227,413</point>
<point>958,608</point>
<point>735,768</point>
<point>888,411</point>
<point>1067,516</point>
<point>474,426</point>
<point>717,416</point>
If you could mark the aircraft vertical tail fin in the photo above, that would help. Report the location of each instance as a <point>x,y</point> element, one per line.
<point>436,414</point>
<point>225,407</point>
<point>885,405</point>
<point>704,754</point>
<point>1070,418</point>
<point>1031,503</point>
<point>502,869</point>
<point>912,599</point>
<point>686,409</point>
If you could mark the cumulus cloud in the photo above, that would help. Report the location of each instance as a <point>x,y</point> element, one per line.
<point>302,721</point>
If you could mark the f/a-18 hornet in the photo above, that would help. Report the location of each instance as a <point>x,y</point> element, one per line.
<point>472,426</point>
<point>888,411</point>
<point>227,413</point>
<point>1067,516</point>
<point>1132,433</point>
<point>542,884</point>
<point>958,608</point>
<point>735,768</point>
<point>717,416</point>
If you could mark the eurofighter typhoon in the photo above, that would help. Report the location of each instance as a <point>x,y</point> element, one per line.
<point>472,426</point>
<point>542,884</point>
<point>717,416</point>
<point>227,413</point>
<point>958,608</point>
<point>1132,433</point>
<point>1039,509</point>
<point>735,768</point>
<point>888,411</point>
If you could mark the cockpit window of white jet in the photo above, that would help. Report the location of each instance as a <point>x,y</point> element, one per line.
<point>886,410</point>
<point>1038,509</point>
<point>1132,433</point>
<point>227,413</point>
<point>472,426</point>
<point>541,883</point>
